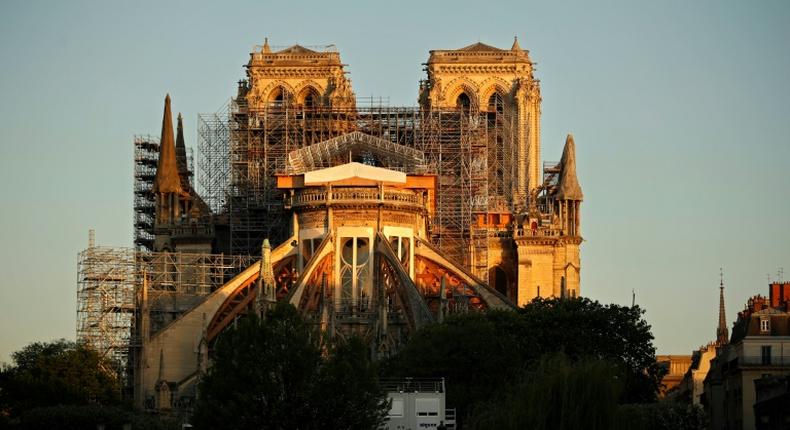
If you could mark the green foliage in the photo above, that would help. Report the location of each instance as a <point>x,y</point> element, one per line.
<point>476,354</point>
<point>88,417</point>
<point>261,373</point>
<point>348,392</point>
<point>56,373</point>
<point>661,416</point>
<point>482,356</point>
<point>271,374</point>
<point>62,385</point>
<point>556,395</point>
<point>585,328</point>
<point>561,394</point>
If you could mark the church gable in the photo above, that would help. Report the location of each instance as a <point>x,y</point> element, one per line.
<point>477,47</point>
<point>297,49</point>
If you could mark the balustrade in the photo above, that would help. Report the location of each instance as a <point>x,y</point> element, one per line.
<point>361,195</point>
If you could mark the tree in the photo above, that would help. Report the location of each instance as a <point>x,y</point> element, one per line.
<point>556,395</point>
<point>270,374</point>
<point>348,391</point>
<point>56,373</point>
<point>476,353</point>
<point>482,354</point>
<point>560,394</point>
<point>664,415</point>
<point>583,328</point>
<point>71,417</point>
<point>64,385</point>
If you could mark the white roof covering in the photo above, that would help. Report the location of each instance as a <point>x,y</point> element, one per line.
<point>354,171</point>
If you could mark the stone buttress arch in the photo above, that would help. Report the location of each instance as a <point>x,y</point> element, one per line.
<point>243,294</point>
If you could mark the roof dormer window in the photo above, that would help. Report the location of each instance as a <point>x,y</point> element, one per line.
<point>765,325</point>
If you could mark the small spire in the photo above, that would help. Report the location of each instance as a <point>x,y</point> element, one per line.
<point>722,333</point>
<point>267,273</point>
<point>515,46</point>
<point>167,179</point>
<point>181,149</point>
<point>568,187</point>
<point>266,48</point>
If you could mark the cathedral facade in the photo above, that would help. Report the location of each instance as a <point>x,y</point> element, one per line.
<point>373,221</point>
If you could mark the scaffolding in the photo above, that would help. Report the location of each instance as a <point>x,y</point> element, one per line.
<point>176,282</point>
<point>473,153</point>
<point>545,193</point>
<point>109,286</point>
<point>213,163</point>
<point>106,301</point>
<point>146,155</point>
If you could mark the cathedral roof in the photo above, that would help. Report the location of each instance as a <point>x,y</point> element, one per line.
<point>294,55</point>
<point>296,49</point>
<point>568,187</point>
<point>480,53</point>
<point>167,178</point>
<point>477,47</point>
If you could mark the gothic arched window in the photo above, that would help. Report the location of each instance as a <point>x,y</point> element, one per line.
<point>277,97</point>
<point>463,102</point>
<point>496,103</point>
<point>354,270</point>
<point>311,99</point>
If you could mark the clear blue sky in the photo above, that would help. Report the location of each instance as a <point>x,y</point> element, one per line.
<point>679,109</point>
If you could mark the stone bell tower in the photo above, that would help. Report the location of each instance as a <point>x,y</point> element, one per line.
<point>298,77</point>
<point>481,77</point>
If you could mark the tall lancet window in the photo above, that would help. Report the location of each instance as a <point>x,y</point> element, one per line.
<point>354,271</point>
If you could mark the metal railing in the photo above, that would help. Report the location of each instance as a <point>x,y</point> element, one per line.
<point>449,418</point>
<point>356,195</point>
<point>413,385</point>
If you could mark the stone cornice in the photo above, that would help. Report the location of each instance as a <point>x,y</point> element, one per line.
<point>557,241</point>
<point>439,56</point>
<point>482,69</point>
<point>329,57</point>
<point>293,72</point>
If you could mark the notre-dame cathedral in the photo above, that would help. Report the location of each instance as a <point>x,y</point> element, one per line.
<point>372,220</point>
